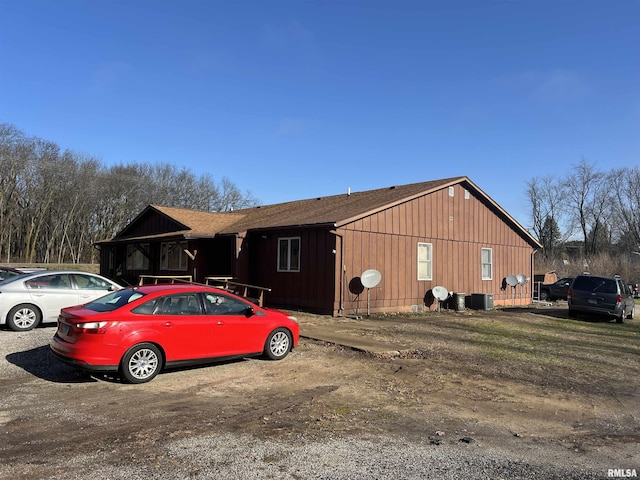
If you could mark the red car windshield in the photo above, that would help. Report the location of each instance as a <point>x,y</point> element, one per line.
<point>114,300</point>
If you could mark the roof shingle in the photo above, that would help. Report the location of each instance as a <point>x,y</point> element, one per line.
<point>335,210</point>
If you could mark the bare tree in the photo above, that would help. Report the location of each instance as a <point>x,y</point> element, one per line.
<point>231,198</point>
<point>584,188</point>
<point>54,206</point>
<point>549,212</point>
<point>625,183</point>
<point>12,154</point>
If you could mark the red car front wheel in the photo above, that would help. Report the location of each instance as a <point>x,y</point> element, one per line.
<point>278,344</point>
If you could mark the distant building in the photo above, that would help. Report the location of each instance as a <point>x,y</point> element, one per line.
<point>311,253</point>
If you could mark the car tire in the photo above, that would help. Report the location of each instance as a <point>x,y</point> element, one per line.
<point>24,317</point>
<point>278,344</point>
<point>620,318</point>
<point>572,313</point>
<point>631,314</point>
<point>141,363</point>
<point>544,296</point>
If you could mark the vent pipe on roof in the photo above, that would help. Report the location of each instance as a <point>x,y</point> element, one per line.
<point>348,191</point>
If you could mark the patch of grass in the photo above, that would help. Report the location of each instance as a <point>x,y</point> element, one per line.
<point>386,416</point>
<point>84,267</point>
<point>343,410</point>
<point>541,343</point>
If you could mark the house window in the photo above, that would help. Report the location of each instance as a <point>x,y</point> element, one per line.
<point>452,192</point>
<point>136,259</point>
<point>172,256</point>
<point>289,254</point>
<point>487,264</point>
<point>425,261</point>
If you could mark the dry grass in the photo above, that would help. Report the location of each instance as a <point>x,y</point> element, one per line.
<point>84,267</point>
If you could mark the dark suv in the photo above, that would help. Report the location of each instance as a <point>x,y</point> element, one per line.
<point>601,295</point>
<point>555,291</point>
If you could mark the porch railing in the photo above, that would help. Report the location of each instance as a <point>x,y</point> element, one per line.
<point>225,283</point>
<point>241,289</point>
<point>155,279</point>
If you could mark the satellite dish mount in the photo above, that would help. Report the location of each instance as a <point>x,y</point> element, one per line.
<point>440,294</point>
<point>370,279</point>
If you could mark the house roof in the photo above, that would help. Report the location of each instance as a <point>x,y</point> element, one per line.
<point>200,224</point>
<point>333,211</point>
<point>186,224</point>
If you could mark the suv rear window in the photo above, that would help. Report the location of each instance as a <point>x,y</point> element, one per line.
<point>595,284</point>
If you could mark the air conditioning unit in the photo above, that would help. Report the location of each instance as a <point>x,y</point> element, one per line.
<point>482,301</point>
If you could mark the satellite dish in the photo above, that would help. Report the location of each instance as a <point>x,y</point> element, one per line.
<point>512,280</point>
<point>370,278</point>
<point>521,279</point>
<point>440,293</point>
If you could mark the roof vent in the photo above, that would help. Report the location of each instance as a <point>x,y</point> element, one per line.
<point>391,188</point>
<point>348,191</point>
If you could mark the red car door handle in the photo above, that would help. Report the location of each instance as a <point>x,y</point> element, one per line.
<point>167,324</point>
<point>220,323</point>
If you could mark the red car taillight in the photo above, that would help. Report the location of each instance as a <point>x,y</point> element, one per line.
<point>569,294</point>
<point>619,299</point>
<point>93,327</point>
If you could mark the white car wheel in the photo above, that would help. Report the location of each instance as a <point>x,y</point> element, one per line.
<point>23,317</point>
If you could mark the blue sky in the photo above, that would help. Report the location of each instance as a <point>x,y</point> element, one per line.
<point>298,99</point>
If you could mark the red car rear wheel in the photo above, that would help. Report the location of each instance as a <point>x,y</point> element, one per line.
<point>141,363</point>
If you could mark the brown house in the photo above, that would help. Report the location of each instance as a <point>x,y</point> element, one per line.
<point>312,253</point>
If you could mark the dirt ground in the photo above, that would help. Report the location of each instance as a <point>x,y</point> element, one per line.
<point>530,382</point>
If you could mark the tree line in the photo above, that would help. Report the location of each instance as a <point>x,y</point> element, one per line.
<point>54,205</point>
<point>588,220</point>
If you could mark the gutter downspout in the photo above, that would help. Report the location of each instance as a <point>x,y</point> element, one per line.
<point>532,276</point>
<point>342,269</point>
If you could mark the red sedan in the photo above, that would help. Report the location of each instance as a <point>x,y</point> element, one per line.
<point>139,331</point>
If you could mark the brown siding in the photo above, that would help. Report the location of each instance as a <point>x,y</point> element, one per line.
<point>312,288</point>
<point>457,228</point>
<point>151,224</point>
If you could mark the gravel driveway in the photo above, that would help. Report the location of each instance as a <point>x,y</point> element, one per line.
<point>323,412</point>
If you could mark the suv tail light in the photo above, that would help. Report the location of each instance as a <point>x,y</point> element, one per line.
<point>619,299</point>
<point>569,294</point>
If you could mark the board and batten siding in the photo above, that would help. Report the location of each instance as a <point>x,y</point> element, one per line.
<point>311,288</point>
<point>457,227</point>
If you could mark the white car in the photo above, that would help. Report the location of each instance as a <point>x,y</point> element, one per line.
<point>28,300</point>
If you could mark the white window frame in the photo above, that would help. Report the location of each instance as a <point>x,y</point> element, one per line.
<point>167,249</point>
<point>285,264</point>
<point>486,267</point>
<point>136,259</point>
<point>425,261</point>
